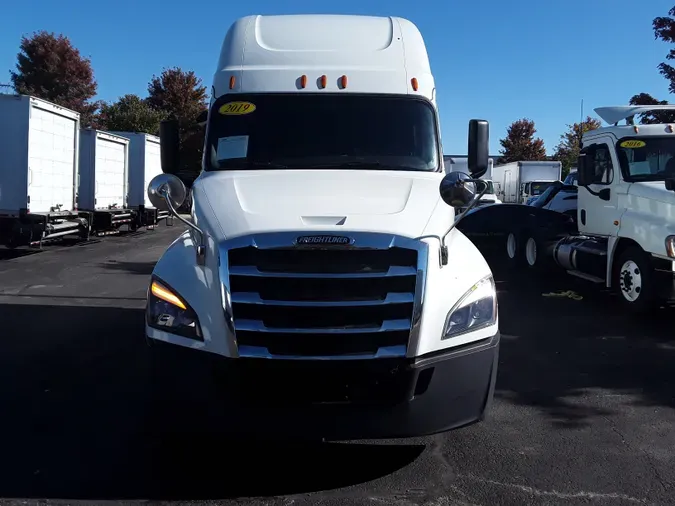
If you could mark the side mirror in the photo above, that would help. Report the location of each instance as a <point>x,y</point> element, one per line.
<point>479,146</point>
<point>457,189</point>
<point>584,178</point>
<point>169,139</point>
<point>167,192</point>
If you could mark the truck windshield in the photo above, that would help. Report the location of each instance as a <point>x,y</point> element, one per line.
<point>546,196</point>
<point>647,158</point>
<point>538,187</point>
<point>316,131</point>
<point>490,188</point>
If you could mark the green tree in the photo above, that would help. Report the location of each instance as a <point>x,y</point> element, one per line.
<point>130,113</point>
<point>567,150</point>
<point>652,117</point>
<point>50,67</point>
<point>520,143</point>
<point>180,95</point>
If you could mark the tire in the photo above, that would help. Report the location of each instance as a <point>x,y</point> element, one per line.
<point>536,251</point>
<point>634,280</point>
<point>533,252</point>
<point>514,246</point>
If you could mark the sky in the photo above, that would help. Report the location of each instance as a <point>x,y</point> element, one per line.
<point>496,60</point>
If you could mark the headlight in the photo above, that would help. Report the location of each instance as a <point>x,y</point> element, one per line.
<point>475,310</point>
<point>169,312</point>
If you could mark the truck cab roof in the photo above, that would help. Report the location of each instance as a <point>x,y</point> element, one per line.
<point>613,115</point>
<point>271,54</point>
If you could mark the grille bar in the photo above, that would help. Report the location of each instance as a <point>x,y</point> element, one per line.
<point>390,298</point>
<point>386,326</point>
<point>349,302</point>
<point>254,271</point>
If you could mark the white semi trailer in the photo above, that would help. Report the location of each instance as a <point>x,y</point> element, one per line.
<point>322,273</point>
<point>144,164</point>
<point>103,181</point>
<point>39,144</point>
<point>455,163</point>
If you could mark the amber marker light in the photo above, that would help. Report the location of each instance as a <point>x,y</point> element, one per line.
<point>163,293</point>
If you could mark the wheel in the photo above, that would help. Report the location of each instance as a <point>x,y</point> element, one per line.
<point>514,249</point>
<point>531,252</point>
<point>536,254</point>
<point>634,280</point>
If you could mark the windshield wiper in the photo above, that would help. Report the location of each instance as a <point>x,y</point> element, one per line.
<point>355,164</point>
<point>258,164</point>
<point>347,165</point>
<point>253,164</point>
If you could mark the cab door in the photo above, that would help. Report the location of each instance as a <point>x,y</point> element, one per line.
<point>598,208</point>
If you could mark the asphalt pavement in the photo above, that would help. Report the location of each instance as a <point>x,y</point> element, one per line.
<point>583,411</point>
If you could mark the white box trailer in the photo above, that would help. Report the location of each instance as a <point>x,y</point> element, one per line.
<point>144,164</point>
<point>39,144</point>
<point>103,181</point>
<point>455,163</point>
<point>460,163</point>
<point>516,182</point>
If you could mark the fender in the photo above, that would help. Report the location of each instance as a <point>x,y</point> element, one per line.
<point>200,287</point>
<point>447,285</point>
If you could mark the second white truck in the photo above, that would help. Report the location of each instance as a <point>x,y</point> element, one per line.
<point>517,182</point>
<point>624,235</point>
<point>321,273</point>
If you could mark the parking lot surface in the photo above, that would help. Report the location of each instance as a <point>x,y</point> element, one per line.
<point>584,409</point>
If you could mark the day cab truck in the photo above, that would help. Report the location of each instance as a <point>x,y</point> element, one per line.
<point>624,235</point>
<point>321,275</point>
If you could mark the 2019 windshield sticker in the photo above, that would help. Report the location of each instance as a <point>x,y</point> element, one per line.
<point>632,144</point>
<point>236,108</point>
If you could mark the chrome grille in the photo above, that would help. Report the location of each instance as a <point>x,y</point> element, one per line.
<point>324,302</point>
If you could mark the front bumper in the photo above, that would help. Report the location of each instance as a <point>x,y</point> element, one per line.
<point>351,399</point>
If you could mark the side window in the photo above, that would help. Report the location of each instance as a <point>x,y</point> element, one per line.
<point>601,161</point>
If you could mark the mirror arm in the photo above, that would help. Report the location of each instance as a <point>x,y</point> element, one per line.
<point>201,247</point>
<point>443,252</point>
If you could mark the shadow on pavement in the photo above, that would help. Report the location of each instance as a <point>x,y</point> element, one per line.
<point>556,349</point>
<point>78,422</point>
<point>142,268</point>
<point>11,254</point>
<point>64,243</point>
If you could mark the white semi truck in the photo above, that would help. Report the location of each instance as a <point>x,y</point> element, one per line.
<point>517,182</point>
<point>624,235</point>
<point>39,146</point>
<point>321,273</point>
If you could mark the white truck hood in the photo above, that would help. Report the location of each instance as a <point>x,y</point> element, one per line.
<point>235,203</point>
<point>652,190</point>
